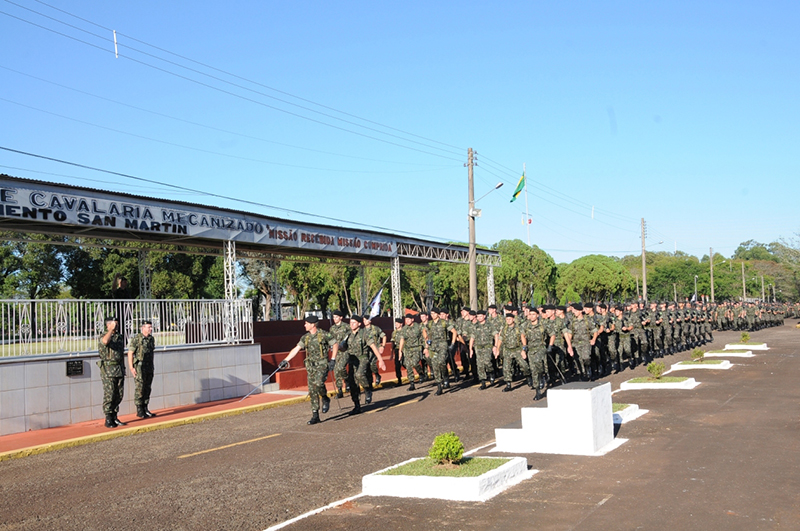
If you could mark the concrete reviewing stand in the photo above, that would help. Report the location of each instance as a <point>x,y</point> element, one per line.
<point>577,421</point>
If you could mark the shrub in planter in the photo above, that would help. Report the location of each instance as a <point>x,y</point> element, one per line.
<point>656,369</point>
<point>447,449</point>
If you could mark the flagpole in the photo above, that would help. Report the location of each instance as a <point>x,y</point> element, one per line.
<point>527,216</point>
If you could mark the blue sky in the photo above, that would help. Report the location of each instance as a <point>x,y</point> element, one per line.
<point>686,114</point>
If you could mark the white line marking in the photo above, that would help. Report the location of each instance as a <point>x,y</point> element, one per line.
<point>312,513</point>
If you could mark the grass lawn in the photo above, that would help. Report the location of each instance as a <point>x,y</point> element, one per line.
<point>663,379</point>
<point>469,467</point>
<point>731,351</point>
<point>701,362</point>
<point>616,408</point>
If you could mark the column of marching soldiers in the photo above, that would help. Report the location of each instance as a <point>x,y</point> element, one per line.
<point>545,345</point>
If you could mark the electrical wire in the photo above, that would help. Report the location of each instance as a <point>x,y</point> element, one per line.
<point>217,78</point>
<point>210,127</point>
<point>247,79</point>
<point>266,105</point>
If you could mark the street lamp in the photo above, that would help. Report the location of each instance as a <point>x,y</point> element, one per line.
<point>473,213</point>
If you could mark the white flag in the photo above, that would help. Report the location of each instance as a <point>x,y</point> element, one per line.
<point>375,305</point>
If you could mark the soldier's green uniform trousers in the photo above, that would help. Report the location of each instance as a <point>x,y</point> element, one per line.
<point>143,383</point>
<point>513,355</point>
<point>113,387</point>
<point>411,361</point>
<point>583,351</point>
<point>361,366</point>
<point>537,365</point>
<point>483,355</point>
<point>317,372</point>
<point>438,361</point>
<point>340,370</point>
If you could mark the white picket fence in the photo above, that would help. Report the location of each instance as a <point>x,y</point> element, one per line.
<point>66,326</point>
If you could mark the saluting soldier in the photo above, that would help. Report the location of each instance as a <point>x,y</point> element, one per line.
<point>112,371</point>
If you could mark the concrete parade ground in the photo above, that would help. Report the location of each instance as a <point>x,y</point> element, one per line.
<point>722,456</point>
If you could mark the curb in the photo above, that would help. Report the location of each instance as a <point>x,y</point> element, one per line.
<point>88,439</point>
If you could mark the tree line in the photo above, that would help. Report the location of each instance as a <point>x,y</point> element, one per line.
<point>44,266</point>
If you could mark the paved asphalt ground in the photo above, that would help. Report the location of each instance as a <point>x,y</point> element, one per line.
<point>723,456</point>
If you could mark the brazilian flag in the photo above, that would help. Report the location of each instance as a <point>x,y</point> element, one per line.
<point>520,187</point>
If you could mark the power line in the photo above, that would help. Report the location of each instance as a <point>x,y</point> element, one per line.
<point>206,126</point>
<point>249,80</point>
<point>212,194</point>
<point>199,150</point>
<point>216,78</point>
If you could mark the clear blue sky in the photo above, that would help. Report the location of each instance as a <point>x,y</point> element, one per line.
<point>686,114</point>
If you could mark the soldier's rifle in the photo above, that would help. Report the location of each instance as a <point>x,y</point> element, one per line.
<point>281,365</point>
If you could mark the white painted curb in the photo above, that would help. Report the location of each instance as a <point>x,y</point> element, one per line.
<point>689,383</point>
<point>748,346</point>
<point>685,367</point>
<point>747,354</point>
<point>479,488</point>
<point>632,412</point>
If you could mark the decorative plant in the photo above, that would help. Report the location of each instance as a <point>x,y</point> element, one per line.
<point>656,369</point>
<point>447,449</point>
<point>745,337</point>
<point>697,355</point>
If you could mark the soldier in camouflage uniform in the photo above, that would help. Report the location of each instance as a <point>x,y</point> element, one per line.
<point>379,337</point>
<point>339,330</point>
<point>140,362</point>
<point>316,343</point>
<point>361,347</point>
<point>441,333</point>
<point>481,341</point>
<point>537,339</point>
<point>511,343</point>
<point>112,371</point>
<point>424,324</point>
<point>410,349</point>
<point>397,334</point>
<point>579,336</point>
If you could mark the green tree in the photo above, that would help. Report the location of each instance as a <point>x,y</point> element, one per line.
<point>524,270</point>
<point>596,277</point>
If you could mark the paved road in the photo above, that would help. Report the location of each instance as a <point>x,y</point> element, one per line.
<point>722,456</point>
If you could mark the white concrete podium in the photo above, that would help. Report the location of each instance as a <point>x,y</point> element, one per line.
<point>578,420</point>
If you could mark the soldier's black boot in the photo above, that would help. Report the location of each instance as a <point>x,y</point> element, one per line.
<point>538,395</point>
<point>119,422</point>
<point>140,412</point>
<point>377,379</point>
<point>314,418</point>
<point>339,393</point>
<point>148,412</point>
<point>411,386</point>
<point>483,385</point>
<point>507,388</point>
<point>588,373</point>
<point>530,381</point>
<point>438,389</point>
<point>368,397</point>
<point>110,421</point>
<point>326,404</point>
<point>491,378</point>
<point>447,383</point>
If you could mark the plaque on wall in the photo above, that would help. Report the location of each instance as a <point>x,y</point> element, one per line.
<point>74,367</point>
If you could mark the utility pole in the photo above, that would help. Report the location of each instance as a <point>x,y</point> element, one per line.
<point>637,289</point>
<point>711,263</point>
<point>762,288</point>
<point>473,261</point>
<point>644,265</point>
<point>744,288</point>
<point>675,290</point>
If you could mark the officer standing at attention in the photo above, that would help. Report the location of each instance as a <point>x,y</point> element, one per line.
<point>316,343</point>
<point>112,371</point>
<point>140,362</point>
